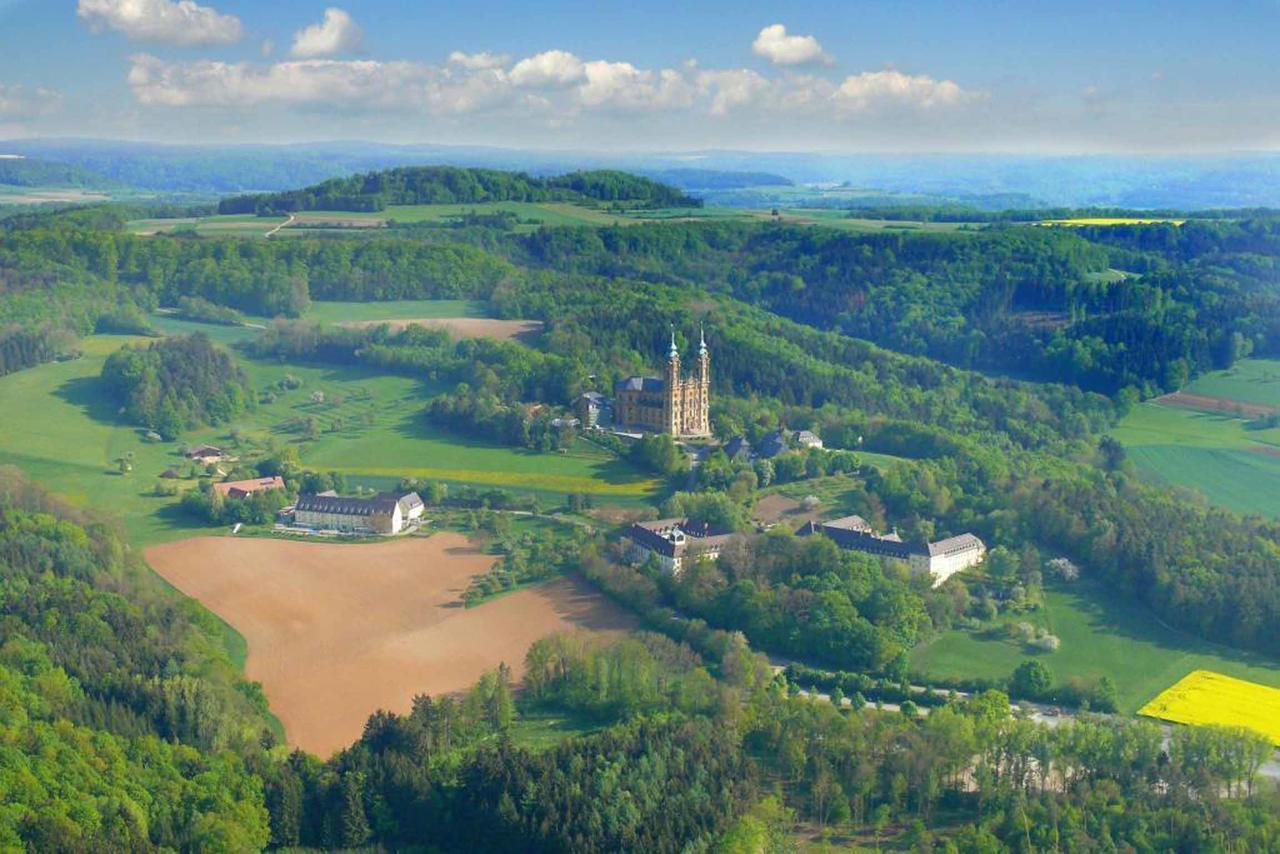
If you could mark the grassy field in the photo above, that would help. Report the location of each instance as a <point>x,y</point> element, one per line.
<point>539,730</point>
<point>1216,454</point>
<point>532,215</point>
<point>61,429</point>
<point>1250,381</point>
<point>338,312</point>
<point>1102,635</point>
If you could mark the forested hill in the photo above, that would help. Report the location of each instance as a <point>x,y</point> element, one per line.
<point>24,172</point>
<point>434,185</point>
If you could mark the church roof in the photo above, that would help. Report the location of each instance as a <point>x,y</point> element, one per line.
<point>641,384</point>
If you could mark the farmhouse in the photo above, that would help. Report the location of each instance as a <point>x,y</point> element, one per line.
<point>674,542</point>
<point>205,454</point>
<point>244,488</point>
<point>671,403</point>
<point>941,559</point>
<point>385,513</point>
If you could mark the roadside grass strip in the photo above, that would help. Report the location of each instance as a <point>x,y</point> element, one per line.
<point>1203,697</point>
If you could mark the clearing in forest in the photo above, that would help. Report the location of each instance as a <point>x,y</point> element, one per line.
<point>1206,698</point>
<point>337,631</point>
<point>462,327</point>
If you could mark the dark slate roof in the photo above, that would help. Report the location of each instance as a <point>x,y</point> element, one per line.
<point>675,537</point>
<point>384,502</point>
<point>849,523</point>
<point>955,545</point>
<point>641,384</point>
<point>773,444</point>
<point>738,446</point>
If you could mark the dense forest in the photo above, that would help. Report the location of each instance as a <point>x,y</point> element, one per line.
<point>438,185</point>
<point>174,384</point>
<point>125,726</point>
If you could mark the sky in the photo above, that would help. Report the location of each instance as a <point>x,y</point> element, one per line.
<point>842,77</point>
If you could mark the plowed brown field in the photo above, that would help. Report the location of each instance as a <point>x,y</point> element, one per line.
<point>338,631</point>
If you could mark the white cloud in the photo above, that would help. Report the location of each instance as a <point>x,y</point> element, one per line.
<point>178,22</point>
<point>774,44</point>
<point>23,102</point>
<point>621,84</point>
<point>478,61</point>
<point>206,83</point>
<point>552,89</point>
<point>871,88</point>
<point>732,88</point>
<point>548,69</point>
<point>336,34</point>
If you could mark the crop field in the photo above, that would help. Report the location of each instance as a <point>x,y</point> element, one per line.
<point>838,219</point>
<point>337,631</point>
<point>463,327</point>
<point>1215,453</point>
<point>1205,698</point>
<point>1109,220</point>
<point>12,195</point>
<point>1102,635</point>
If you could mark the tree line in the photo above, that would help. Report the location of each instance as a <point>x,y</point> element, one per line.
<point>442,185</point>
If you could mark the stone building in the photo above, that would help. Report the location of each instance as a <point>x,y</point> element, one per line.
<point>386,513</point>
<point>672,403</point>
<point>675,542</point>
<point>940,560</point>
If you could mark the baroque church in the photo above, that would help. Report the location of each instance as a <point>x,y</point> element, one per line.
<point>672,403</point>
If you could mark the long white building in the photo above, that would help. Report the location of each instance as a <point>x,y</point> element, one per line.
<point>941,559</point>
<point>386,513</point>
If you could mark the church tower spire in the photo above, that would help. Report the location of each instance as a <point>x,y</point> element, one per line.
<point>672,391</point>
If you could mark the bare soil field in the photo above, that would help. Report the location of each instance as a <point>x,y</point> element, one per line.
<point>338,631</point>
<point>464,327</point>
<point>776,508</point>
<point>1223,405</point>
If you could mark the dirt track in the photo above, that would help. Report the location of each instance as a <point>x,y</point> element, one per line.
<point>463,327</point>
<point>338,631</point>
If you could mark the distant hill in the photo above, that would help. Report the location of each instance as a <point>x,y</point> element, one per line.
<point>985,181</point>
<point>432,185</point>
<point>29,172</point>
<point>715,179</point>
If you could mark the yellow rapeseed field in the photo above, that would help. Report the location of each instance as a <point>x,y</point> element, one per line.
<point>1108,220</point>
<point>1205,697</point>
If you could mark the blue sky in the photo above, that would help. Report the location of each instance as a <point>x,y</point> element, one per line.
<point>867,75</point>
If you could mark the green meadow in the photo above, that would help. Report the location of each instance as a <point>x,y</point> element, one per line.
<point>1249,381</point>
<point>1218,455</point>
<point>531,215</point>
<point>1102,635</point>
<point>59,427</point>
<point>338,312</point>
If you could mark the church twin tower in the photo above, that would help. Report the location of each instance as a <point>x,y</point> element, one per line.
<point>672,403</point>
<point>687,404</point>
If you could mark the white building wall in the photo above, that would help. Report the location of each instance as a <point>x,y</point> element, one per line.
<point>943,567</point>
